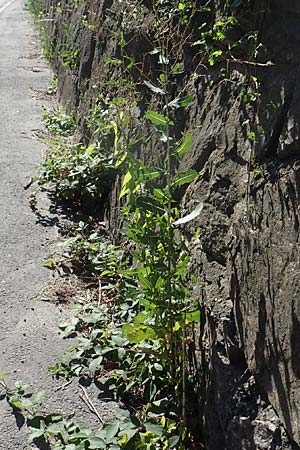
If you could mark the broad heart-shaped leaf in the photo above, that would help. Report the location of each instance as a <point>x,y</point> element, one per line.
<point>137,334</point>
<point>154,428</point>
<point>54,428</point>
<point>153,88</point>
<point>156,118</point>
<point>185,146</point>
<point>184,177</point>
<point>190,216</point>
<point>71,447</point>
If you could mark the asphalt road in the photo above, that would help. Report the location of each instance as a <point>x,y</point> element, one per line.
<point>29,337</point>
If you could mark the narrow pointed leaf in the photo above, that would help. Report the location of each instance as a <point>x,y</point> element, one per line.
<point>185,101</point>
<point>153,88</point>
<point>184,177</point>
<point>185,146</point>
<point>157,119</point>
<point>190,216</point>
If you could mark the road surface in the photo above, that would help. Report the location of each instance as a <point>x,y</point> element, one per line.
<point>29,337</point>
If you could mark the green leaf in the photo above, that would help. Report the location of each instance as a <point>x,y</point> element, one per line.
<point>96,443</point>
<point>157,119</point>
<point>154,428</point>
<point>181,267</point>
<point>38,397</point>
<point>185,146</point>
<point>48,263</point>
<point>193,316</point>
<point>180,102</point>
<point>111,431</point>
<point>184,177</point>
<point>35,435</point>
<point>153,88</point>
<point>112,61</point>
<point>54,429</point>
<point>147,174</point>
<point>172,441</point>
<point>95,364</point>
<point>161,194</point>
<point>137,334</point>
<point>190,216</point>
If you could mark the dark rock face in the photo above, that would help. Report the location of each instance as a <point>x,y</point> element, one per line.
<point>248,253</point>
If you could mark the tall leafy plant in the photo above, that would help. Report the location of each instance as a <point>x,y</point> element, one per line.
<point>161,254</point>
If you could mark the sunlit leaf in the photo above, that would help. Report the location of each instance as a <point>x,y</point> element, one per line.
<point>156,118</point>
<point>184,177</point>
<point>190,216</point>
<point>153,88</point>
<point>185,145</point>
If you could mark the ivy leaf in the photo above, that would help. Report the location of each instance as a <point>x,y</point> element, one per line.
<point>157,119</point>
<point>190,216</point>
<point>153,88</point>
<point>184,177</point>
<point>185,146</point>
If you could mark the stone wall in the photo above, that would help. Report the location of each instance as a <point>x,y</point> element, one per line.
<point>248,252</point>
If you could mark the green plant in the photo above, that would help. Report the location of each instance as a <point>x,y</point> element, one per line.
<point>78,172</point>
<point>139,334</point>
<point>68,49</point>
<point>214,38</point>
<point>124,431</point>
<point>92,253</point>
<point>36,8</point>
<point>58,122</point>
<point>52,86</point>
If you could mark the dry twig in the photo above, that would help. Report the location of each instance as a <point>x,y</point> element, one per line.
<point>89,403</point>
